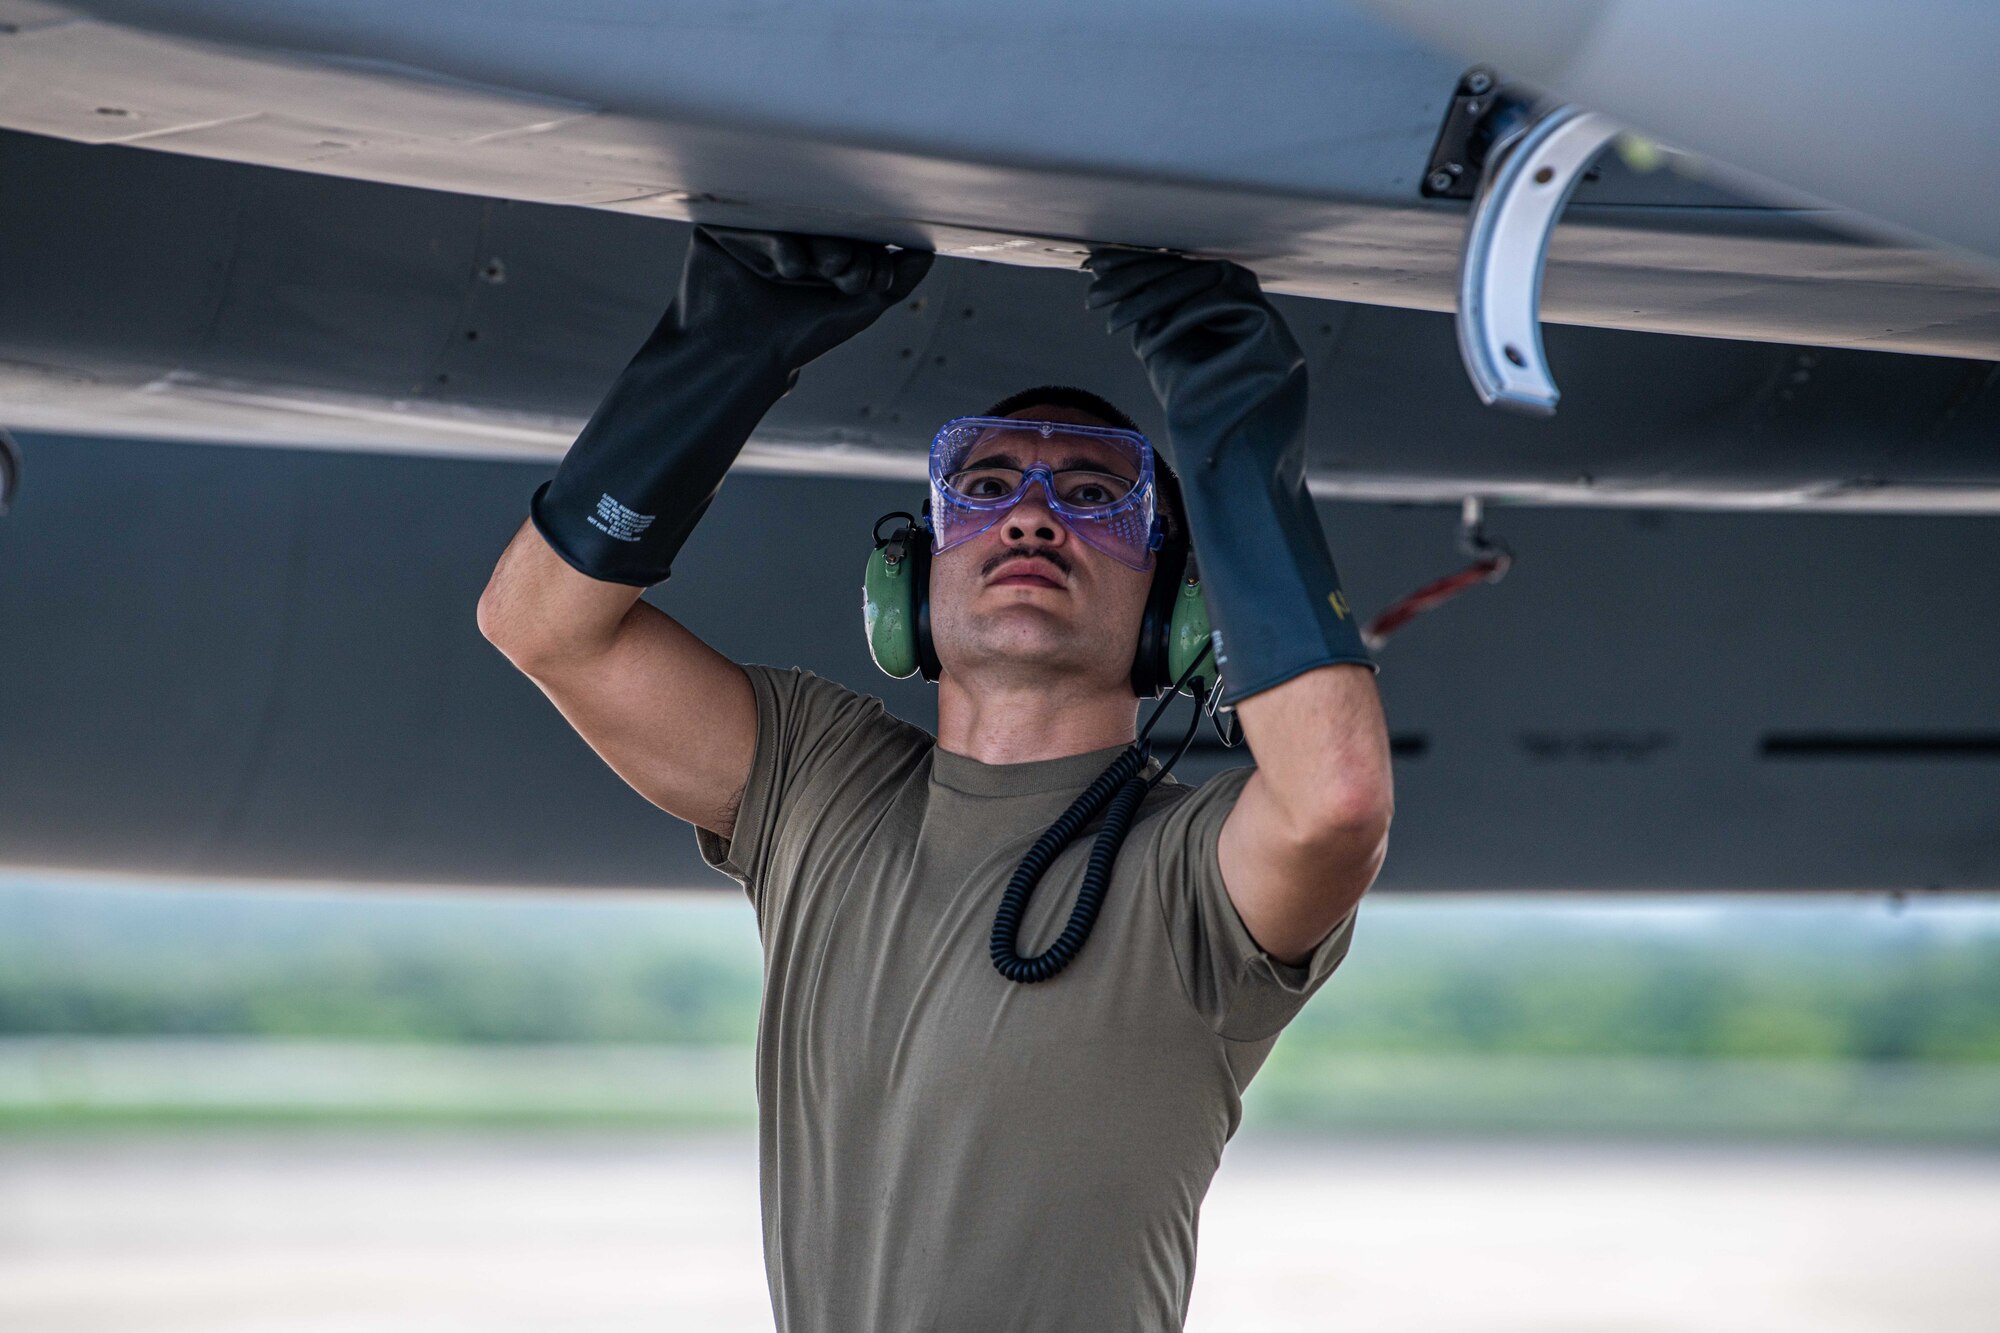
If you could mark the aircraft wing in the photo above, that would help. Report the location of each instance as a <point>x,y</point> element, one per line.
<point>1293,138</point>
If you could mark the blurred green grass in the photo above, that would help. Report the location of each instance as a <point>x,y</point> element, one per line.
<point>159,1006</point>
<point>98,1083</point>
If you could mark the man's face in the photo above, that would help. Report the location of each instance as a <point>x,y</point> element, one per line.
<point>1026,598</point>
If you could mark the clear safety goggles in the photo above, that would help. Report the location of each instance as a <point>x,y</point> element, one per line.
<point>1097,479</point>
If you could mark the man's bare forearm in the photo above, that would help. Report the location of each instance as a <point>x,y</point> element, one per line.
<point>536,607</point>
<point>671,716</point>
<point>1322,744</point>
<point>1309,833</point>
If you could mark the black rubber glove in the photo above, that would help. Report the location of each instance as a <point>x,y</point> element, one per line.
<point>753,309</point>
<point>1233,383</point>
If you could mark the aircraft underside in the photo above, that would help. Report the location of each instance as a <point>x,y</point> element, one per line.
<point>317,305</point>
<point>382,230</point>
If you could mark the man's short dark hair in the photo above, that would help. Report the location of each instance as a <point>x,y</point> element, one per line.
<point>1083,400</point>
<point>1063,395</point>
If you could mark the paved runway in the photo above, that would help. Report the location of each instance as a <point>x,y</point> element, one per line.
<point>451,1233</point>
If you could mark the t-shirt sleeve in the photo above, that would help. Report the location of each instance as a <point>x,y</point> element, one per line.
<point>1241,992</point>
<point>813,735</point>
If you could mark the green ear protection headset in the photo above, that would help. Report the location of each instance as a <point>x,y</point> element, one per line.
<point>896,611</point>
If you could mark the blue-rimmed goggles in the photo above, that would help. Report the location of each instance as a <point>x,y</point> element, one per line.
<point>1097,479</point>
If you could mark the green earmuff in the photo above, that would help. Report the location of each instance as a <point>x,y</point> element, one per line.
<point>1188,633</point>
<point>889,595</point>
<point>895,612</point>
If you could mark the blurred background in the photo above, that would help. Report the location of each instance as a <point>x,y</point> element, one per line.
<point>231,1107</point>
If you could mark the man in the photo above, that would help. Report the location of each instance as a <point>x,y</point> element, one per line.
<point>942,1148</point>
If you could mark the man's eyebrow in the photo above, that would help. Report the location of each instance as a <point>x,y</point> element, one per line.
<point>1082,463</point>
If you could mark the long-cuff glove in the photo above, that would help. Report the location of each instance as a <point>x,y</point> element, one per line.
<point>753,309</point>
<point>1233,383</point>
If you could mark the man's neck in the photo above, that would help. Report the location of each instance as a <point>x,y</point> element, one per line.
<point>1018,723</point>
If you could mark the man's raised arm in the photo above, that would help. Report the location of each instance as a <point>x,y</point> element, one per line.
<point>1309,830</point>
<point>671,715</point>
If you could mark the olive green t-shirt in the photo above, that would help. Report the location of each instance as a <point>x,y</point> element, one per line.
<point>941,1148</point>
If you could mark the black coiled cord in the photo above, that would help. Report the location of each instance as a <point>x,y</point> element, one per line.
<point>1118,792</point>
<point>1123,788</point>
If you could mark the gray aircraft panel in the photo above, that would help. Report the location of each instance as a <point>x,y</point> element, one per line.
<point>158,296</point>
<point>264,663</point>
<point>1289,137</point>
<point>1152,89</point>
<point>1886,107</point>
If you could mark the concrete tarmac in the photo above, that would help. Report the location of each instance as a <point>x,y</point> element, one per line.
<point>450,1232</point>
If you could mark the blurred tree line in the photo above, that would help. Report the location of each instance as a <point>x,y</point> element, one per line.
<point>1750,981</point>
<point>1822,978</point>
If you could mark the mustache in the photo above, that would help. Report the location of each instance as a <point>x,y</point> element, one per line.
<point>1055,558</point>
